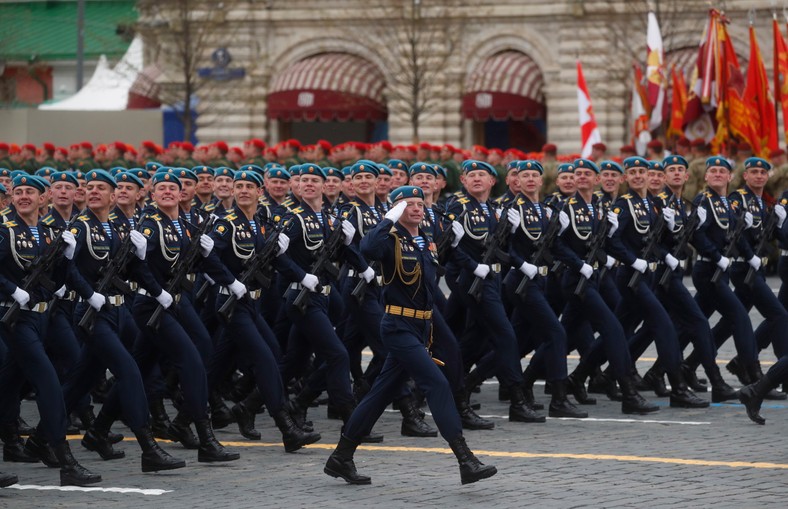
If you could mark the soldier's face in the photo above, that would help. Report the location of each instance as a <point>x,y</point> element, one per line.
<point>426,181</point>
<point>636,179</point>
<point>100,194</point>
<point>188,190</point>
<point>717,177</point>
<point>245,193</point>
<point>756,178</point>
<point>311,187</point>
<point>347,187</point>
<point>413,214</point>
<point>126,193</point>
<point>332,186</point>
<point>166,194</point>
<point>277,188</point>
<point>530,181</point>
<point>205,183</point>
<point>656,180</point>
<point>364,183</point>
<point>585,179</point>
<point>383,185</point>
<point>223,187</point>
<point>610,180</point>
<point>512,181</point>
<point>676,175</point>
<point>400,178</point>
<point>566,183</point>
<point>62,194</point>
<point>27,199</point>
<point>80,196</point>
<point>478,181</point>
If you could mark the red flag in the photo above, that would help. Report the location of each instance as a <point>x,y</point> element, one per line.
<point>757,94</point>
<point>781,74</point>
<point>589,131</point>
<point>640,113</point>
<point>678,104</point>
<point>655,73</point>
<point>700,101</point>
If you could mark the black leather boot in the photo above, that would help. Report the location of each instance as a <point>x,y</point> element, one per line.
<point>720,391</point>
<point>87,418</point>
<point>529,378</point>
<point>413,424</point>
<point>576,384</point>
<point>37,446</point>
<point>340,463</point>
<point>298,407</point>
<point>160,421</point>
<point>96,441</point>
<point>7,480</point>
<point>518,410</point>
<point>680,395</point>
<point>737,369</point>
<point>469,418</point>
<point>210,449</point>
<point>345,411</point>
<point>221,417</point>
<point>71,472</point>
<point>756,374</point>
<point>560,406</point>
<point>654,379</point>
<point>245,420</point>
<point>154,458</point>
<point>633,402</point>
<point>752,396</point>
<point>13,445</point>
<point>180,431</point>
<point>596,384</point>
<point>473,380</point>
<point>471,469</point>
<point>688,372</point>
<point>503,393</point>
<point>293,437</point>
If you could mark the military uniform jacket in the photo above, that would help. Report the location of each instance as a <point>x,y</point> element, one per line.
<point>571,247</point>
<point>556,199</point>
<point>636,217</point>
<point>678,204</point>
<point>363,218</point>
<point>55,220</point>
<point>409,273</point>
<point>782,233</point>
<point>18,248</point>
<point>477,224</point>
<point>533,223</point>
<point>710,239</point>
<point>602,199</point>
<point>93,252</point>
<point>744,198</point>
<point>122,223</point>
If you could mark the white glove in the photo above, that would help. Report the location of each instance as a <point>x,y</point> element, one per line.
<point>612,218</point>
<point>71,244</point>
<point>563,218</point>
<point>549,212</point>
<point>310,282</point>
<point>206,245</point>
<point>755,262</point>
<point>60,292</point>
<point>640,265</point>
<point>283,241</point>
<point>481,270</point>
<point>779,211</point>
<point>513,216</point>
<point>724,263</point>
<point>671,261</point>
<point>21,296</point>
<point>587,271</point>
<point>97,301</point>
<point>701,217</point>
<point>458,231</point>
<point>237,288</point>
<point>396,211</point>
<point>610,262</point>
<point>140,243</point>
<point>498,212</point>
<point>350,231</point>
<point>529,270</point>
<point>368,274</point>
<point>748,219</point>
<point>670,217</point>
<point>165,299</point>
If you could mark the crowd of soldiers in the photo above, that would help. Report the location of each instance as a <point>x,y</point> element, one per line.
<point>258,283</point>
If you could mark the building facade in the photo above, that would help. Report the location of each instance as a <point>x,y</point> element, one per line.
<point>499,73</point>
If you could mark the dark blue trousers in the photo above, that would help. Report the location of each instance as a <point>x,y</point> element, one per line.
<point>62,345</point>
<point>362,327</point>
<point>782,269</point>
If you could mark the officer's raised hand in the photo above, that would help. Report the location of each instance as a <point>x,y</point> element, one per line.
<point>97,301</point>
<point>458,232</point>
<point>350,231</point>
<point>165,299</point>
<point>513,217</point>
<point>396,211</point>
<point>140,243</point>
<point>71,244</point>
<point>481,270</point>
<point>283,241</point>
<point>206,245</point>
<point>21,296</point>
<point>310,282</point>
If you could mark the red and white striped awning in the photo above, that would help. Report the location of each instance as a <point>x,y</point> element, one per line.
<point>329,86</point>
<point>507,85</point>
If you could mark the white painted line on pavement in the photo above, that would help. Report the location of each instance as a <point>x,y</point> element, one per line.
<point>138,491</point>
<point>592,419</point>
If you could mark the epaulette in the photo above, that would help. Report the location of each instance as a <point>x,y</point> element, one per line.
<point>520,201</point>
<point>287,202</point>
<point>155,217</point>
<point>626,196</point>
<point>663,195</point>
<point>354,203</point>
<point>463,200</point>
<point>297,210</point>
<point>48,220</point>
<point>707,194</point>
<point>10,224</point>
<point>112,216</point>
<point>599,193</point>
<point>209,207</point>
<point>84,218</point>
<point>741,191</point>
<point>230,216</point>
<point>572,201</point>
<point>5,211</point>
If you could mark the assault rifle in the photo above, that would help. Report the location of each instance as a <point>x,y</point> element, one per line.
<point>543,246</point>
<point>653,238</point>
<point>323,264</point>
<point>763,241</point>
<point>493,250</point>
<point>595,252</point>
<point>731,238</point>
<point>680,249</point>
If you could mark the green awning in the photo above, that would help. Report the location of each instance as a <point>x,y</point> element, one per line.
<point>47,30</point>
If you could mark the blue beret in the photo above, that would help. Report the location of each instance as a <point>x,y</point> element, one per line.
<point>3,190</point>
<point>530,164</point>
<point>30,181</point>
<point>278,172</point>
<point>153,166</point>
<point>718,161</point>
<point>129,177</point>
<point>656,165</point>
<point>397,164</point>
<point>566,168</point>
<point>165,176</point>
<point>471,165</point>
<point>406,192</point>
<point>366,166</point>
<point>5,172</point>
<point>385,170</point>
<point>635,162</point>
<point>43,181</point>
<point>757,162</point>
<point>422,167</point>
<point>203,170</point>
<point>253,168</point>
<point>164,169</point>
<point>513,165</point>
<point>16,173</point>
<point>269,166</point>
<point>64,176</point>
<point>248,176</point>
<point>184,173</point>
<point>673,160</point>
<point>610,165</point>
<point>100,176</point>
<point>347,171</point>
<point>330,171</point>
<point>224,171</point>
<point>440,171</point>
<point>312,169</point>
<point>140,173</point>
<point>79,175</point>
<point>116,170</point>
<point>45,171</point>
<point>588,164</point>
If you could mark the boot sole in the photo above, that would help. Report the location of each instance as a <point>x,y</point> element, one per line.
<point>20,459</point>
<point>337,475</point>
<point>159,468</point>
<point>249,436</point>
<point>214,459</point>
<point>416,434</point>
<point>484,474</point>
<point>582,415</point>
<point>705,404</point>
<point>473,427</point>
<point>721,399</point>
<point>293,447</point>
<point>118,454</point>
<point>537,420</point>
<point>5,483</point>
<point>70,481</point>
<point>633,411</point>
